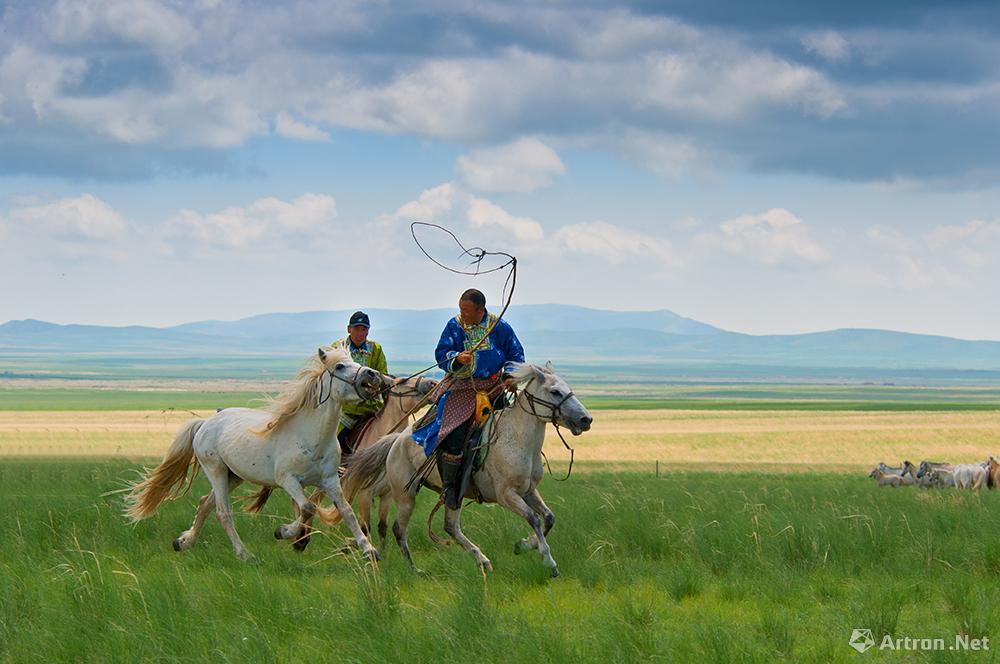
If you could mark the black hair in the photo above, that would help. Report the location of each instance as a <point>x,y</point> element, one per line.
<point>474,296</point>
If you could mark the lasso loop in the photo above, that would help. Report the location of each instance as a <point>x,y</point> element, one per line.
<point>477,254</point>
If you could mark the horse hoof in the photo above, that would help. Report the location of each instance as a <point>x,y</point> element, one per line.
<point>301,544</point>
<point>178,544</point>
<point>555,572</point>
<point>486,567</point>
<point>277,533</point>
<point>373,556</point>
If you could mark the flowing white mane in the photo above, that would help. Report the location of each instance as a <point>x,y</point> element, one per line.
<point>304,390</point>
<point>524,371</point>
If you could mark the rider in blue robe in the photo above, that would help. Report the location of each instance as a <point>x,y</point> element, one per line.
<point>484,369</point>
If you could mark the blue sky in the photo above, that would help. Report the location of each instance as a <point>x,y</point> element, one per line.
<point>774,167</point>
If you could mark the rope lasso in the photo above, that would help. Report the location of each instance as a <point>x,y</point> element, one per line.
<point>478,255</point>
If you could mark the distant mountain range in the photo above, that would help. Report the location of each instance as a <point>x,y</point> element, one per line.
<point>562,333</point>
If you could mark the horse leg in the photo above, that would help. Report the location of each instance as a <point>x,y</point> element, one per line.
<point>306,509</point>
<point>453,526</point>
<point>188,538</point>
<point>535,502</point>
<point>516,504</point>
<point>405,502</point>
<point>331,485</point>
<point>221,479</point>
<point>302,542</point>
<point>365,510</point>
<point>383,517</point>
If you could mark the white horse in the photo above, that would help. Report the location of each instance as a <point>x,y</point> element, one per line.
<point>292,444</point>
<point>882,478</point>
<point>405,395</point>
<point>972,476</point>
<point>509,476</point>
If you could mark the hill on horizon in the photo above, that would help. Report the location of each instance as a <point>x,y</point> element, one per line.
<point>562,333</point>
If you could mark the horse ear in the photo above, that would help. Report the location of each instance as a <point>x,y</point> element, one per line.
<point>549,368</point>
<point>322,354</point>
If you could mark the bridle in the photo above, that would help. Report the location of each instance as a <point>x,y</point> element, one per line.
<point>410,391</point>
<point>353,382</point>
<point>556,412</point>
<point>554,406</point>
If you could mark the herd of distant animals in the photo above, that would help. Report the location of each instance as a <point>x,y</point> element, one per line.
<point>972,476</point>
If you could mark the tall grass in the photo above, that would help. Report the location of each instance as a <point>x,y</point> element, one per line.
<point>696,567</point>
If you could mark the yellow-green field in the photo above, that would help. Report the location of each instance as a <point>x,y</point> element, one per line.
<point>761,541</point>
<point>633,440</point>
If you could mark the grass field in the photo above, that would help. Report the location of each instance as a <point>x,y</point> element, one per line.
<point>695,567</point>
<point>720,441</point>
<point>209,395</point>
<point>762,540</point>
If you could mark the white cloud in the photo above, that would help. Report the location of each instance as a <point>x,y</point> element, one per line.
<point>266,219</point>
<point>483,213</point>
<point>773,238</point>
<point>287,126</point>
<point>82,217</point>
<point>143,22</point>
<point>728,84</point>
<point>976,231</point>
<point>433,204</point>
<point>828,45</point>
<point>525,164</point>
<point>667,155</point>
<point>614,244</point>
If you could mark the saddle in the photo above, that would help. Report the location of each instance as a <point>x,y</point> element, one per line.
<point>356,433</point>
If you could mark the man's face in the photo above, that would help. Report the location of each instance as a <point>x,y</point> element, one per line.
<point>359,333</point>
<point>471,313</point>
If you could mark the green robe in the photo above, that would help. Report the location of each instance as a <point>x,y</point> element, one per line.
<point>369,355</point>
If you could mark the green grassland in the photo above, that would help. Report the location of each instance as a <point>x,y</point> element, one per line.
<point>597,396</point>
<point>695,567</point>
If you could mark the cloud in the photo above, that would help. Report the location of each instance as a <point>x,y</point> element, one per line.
<point>976,231</point>
<point>266,220</point>
<point>772,238</point>
<point>139,22</point>
<point>287,126</point>
<point>612,243</point>
<point>523,165</point>
<point>667,155</point>
<point>483,214</point>
<point>433,204</point>
<point>671,93</point>
<point>828,45</point>
<point>946,256</point>
<point>84,217</point>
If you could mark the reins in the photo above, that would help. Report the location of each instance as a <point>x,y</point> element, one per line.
<point>553,419</point>
<point>353,383</point>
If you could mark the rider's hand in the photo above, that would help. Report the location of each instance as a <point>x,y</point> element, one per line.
<point>510,384</point>
<point>464,357</point>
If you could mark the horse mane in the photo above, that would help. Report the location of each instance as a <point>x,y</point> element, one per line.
<point>302,391</point>
<point>523,371</point>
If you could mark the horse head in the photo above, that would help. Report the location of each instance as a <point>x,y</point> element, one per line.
<point>350,381</point>
<point>549,397</point>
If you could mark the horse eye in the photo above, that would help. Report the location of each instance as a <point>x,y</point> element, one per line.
<point>339,367</point>
<point>555,392</point>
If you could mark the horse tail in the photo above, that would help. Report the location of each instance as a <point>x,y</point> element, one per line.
<point>430,525</point>
<point>259,499</point>
<point>364,469</point>
<point>166,481</point>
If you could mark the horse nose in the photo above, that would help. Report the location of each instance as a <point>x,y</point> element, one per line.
<point>586,421</point>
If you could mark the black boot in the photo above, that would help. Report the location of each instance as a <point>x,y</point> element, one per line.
<point>450,467</point>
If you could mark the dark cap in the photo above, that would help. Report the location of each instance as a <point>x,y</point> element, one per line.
<point>359,318</point>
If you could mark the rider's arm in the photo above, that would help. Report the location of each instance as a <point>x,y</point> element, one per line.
<point>448,347</point>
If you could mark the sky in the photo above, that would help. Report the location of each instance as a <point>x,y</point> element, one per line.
<point>774,167</point>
